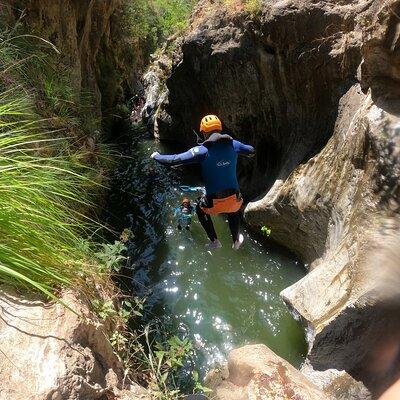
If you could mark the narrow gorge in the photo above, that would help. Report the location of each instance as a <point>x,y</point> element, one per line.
<point>314,86</point>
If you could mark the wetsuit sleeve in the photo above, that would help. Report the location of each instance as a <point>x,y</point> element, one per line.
<point>243,149</point>
<point>194,155</point>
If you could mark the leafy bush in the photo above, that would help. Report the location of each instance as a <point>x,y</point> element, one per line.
<point>110,255</point>
<point>156,357</point>
<point>252,6</point>
<point>155,20</point>
<point>173,15</point>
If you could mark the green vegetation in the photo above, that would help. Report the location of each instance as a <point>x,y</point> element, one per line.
<point>173,15</point>
<point>155,20</point>
<point>151,356</point>
<point>110,255</point>
<point>252,6</point>
<point>45,184</point>
<point>51,163</point>
<point>265,230</point>
<point>157,357</point>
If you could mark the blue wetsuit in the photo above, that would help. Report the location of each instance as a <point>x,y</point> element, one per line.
<point>217,157</point>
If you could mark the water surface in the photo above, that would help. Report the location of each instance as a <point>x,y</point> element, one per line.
<point>222,299</point>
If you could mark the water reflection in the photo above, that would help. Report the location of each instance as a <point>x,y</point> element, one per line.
<point>224,299</point>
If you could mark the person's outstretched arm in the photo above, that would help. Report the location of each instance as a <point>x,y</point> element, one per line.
<point>243,149</point>
<point>194,155</point>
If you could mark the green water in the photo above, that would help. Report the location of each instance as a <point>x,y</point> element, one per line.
<point>221,300</point>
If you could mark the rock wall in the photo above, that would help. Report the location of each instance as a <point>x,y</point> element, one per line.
<point>344,201</point>
<point>97,51</point>
<point>315,87</point>
<point>49,352</point>
<point>274,80</point>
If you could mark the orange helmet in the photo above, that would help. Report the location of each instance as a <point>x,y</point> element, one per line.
<point>185,201</point>
<point>210,123</point>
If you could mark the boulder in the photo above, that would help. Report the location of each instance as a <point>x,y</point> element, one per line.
<point>49,352</point>
<point>256,372</point>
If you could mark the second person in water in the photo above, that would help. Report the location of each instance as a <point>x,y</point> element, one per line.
<point>217,156</point>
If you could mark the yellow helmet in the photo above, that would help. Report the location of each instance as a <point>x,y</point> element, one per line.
<point>210,123</point>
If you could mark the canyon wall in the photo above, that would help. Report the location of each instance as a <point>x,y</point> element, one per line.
<point>315,87</point>
<point>340,207</point>
<point>97,51</point>
<point>275,80</point>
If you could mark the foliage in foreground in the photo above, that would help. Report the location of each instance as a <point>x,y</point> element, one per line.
<point>45,183</point>
<point>40,197</point>
<point>45,195</point>
<point>151,355</point>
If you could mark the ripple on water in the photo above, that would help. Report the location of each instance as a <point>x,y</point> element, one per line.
<point>224,299</point>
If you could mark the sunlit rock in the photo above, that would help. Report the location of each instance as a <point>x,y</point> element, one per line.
<point>50,352</point>
<point>255,372</point>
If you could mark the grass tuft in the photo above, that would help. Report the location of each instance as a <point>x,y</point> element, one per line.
<point>46,185</point>
<point>41,201</point>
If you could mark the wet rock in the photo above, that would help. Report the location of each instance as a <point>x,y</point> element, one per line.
<point>339,384</point>
<point>49,352</point>
<point>255,372</point>
<point>274,80</point>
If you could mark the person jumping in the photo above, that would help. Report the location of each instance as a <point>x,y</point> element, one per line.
<point>217,156</point>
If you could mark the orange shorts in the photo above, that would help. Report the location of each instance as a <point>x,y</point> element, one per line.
<point>229,204</point>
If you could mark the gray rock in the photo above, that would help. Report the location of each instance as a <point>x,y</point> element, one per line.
<point>53,353</point>
<point>255,372</point>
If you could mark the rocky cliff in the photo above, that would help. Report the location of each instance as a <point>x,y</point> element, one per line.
<point>49,352</point>
<point>315,87</point>
<point>275,80</point>
<point>96,49</point>
<point>341,203</point>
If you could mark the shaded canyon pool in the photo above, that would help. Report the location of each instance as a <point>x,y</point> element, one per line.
<point>221,300</point>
